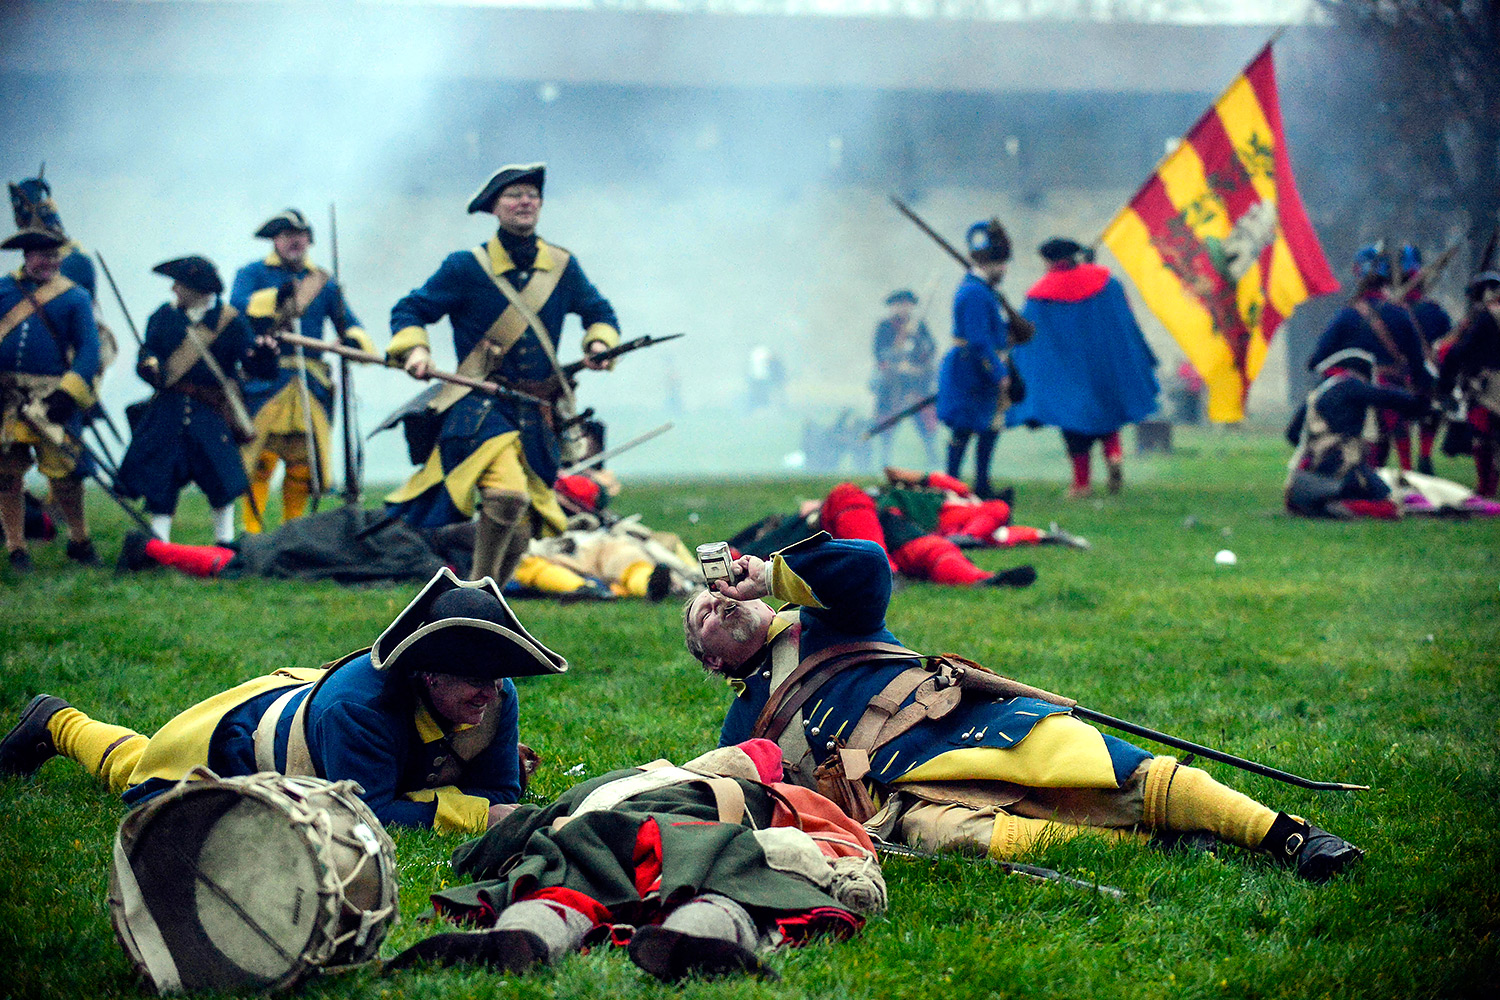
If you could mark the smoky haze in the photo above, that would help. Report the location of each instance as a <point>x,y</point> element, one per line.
<point>744,214</point>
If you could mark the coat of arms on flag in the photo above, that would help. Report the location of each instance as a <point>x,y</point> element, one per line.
<point>1217,240</point>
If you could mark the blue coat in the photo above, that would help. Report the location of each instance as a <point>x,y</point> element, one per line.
<point>181,438</point>
<point>850,583</point>
<point>969,381</point>
<point>31,346</point>
<point>1088,369</point>
<point>370,726</point>
<point>462,291</point>
<point>254,294</point>
<point>1349,329</point>
<point>79,269</point>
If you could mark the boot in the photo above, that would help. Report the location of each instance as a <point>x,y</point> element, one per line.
<point>83,552</point>
<point>498,512</point>
<point>710,935</point>
<point>29,743</point>
<point>1316,854</point>
<point>1020,576</point>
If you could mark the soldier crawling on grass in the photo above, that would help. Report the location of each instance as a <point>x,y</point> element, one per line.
<point>862,718</point>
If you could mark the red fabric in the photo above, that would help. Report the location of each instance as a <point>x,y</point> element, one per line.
<point>799,928</point>
<point>574,900</point>
<point>1018,535</point>
<point>1081,470</point>
<point>647,858</point>
<point>943,481</point>
<point>194,560</point>
<point>767,757</point>
<point>1070,283</point>
<point>836,835</point>
<point>1385,510</point>
<point>934,558</point>
<point>1113,451</point>
<point>979,520</point>
<point>849,512</point>
<point>582,490</point>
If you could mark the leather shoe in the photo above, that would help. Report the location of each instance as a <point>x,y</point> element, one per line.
<point>1020,576</point>
<point>1316,854</point>
<point>29,744</point>
<point>671,955</point>
<point>83,552</point>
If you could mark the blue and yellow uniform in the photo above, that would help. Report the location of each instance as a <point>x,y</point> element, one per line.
<point>39,354</point>
<point>507,450</point>
<point>363,724</point>
<point>182,436</point>
<point>281,423</point>
<point>996,774</point>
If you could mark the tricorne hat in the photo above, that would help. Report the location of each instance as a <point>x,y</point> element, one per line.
<point>287,221</point>
<point>901,295</point>
<point>35,238</point>
<point>195,272</point>
<point>511,173</point>
<point>1060,248</point>
<point>1477,284</point>
<point>988,242</point>
<point>464,628</point>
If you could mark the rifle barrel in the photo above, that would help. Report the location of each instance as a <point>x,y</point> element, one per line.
<point>120,299</point>
<point>364,357</point>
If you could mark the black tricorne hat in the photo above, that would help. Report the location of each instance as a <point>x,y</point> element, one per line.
<point>287,221</point>
<point>463,628</point>
<point>511,173</point>
<point>901,295</point>
<point>195,272</point>
<point>1060,248</point>
<point>1477,284</point>
<point>34,239</point>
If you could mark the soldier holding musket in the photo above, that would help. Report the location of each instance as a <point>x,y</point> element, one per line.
<point>49,358</point>
<point>292,408</point>
<point>506,301</point>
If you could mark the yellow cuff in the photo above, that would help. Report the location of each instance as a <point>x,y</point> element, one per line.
<point>601,333</point>
<point>73,384</point>
<point>456,812</point>
<point>361,339</point>
<point>262,304</point>
<point>404,340</point>
<point>788,586</point>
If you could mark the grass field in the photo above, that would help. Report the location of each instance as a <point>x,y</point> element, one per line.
<point>1353,651</point>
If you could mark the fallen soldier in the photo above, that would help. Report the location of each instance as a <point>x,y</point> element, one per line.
<point>868,721</point>
<point>696,869</point>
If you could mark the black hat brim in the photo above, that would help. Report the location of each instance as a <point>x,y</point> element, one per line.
<point>34,239</point>
<point>197,273</point>
<point>484,198</point>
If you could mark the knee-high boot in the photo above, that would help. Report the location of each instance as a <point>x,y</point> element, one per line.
<point>499,510</point>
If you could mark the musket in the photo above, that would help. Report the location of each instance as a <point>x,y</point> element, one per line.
<point>120,299</point>
<point>572,368</point>
<point>604,456</point>
<point>77,450</point>
<point>1034,872</point>
<point>354,458</point>
<point>309,434</point>
<point>880,427</point>
<point>1423,277</point>
<point>1022,329</point>
<point>986,683</point>
<point>366,358</point>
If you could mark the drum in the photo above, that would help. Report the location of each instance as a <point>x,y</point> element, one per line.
<point>251,883</point>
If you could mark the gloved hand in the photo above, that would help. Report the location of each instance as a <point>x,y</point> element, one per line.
<point>149,372</point>
<point>60,406</point>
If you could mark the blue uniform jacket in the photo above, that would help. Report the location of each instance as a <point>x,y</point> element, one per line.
<point>1433,319</point>
<point>1349,329</point>
<point>77,268</point>
<point>328,307</point>
<point>969,380</point>
<point>363,725</point>
<point>1088,369</point>
<point>462,291</point>
<point>847,586</point>
<point>1344,404</point>
<point>31,347</point>
<point>178,438</point>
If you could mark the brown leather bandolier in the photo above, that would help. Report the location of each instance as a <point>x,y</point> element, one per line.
<point>936,686</point>
<point>1399,371</point>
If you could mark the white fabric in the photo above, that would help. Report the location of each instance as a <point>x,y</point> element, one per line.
<point>161,526</point>
<point>224,523</point>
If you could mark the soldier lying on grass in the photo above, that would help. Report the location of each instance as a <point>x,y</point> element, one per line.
<point>864,719</point>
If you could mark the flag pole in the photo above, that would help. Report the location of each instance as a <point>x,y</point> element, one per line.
<point>1275,37</point>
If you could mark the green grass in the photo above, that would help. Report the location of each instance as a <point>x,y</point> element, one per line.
<point>1354,651</point>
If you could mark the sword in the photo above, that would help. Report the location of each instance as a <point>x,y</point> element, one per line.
<point>1034,872</point>
<point>604,456</point>
<point>354,455</point>
<point>891,421</point>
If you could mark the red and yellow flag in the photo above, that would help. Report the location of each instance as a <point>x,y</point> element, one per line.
<point>1217,240</point>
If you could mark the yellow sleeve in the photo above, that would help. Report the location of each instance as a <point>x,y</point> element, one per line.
<point>601,333</point>
<point>456,812</point>
<point>404,340</point>
<point>786,585</point>
<point>74,385</point>
<point>361,338</point>
<point>262,304</point>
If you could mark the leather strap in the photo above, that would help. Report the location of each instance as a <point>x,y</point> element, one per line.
<point>196,343</point>
<point>815,671</point>
<point>32,303</point>
<point>1382,333</point>
<point>265,735</point>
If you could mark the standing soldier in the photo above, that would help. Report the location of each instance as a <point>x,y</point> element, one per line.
<point>191,429</point>
<point>904,356</point>
<point>1432,323</point>
<point>1375,324</point>
<point>1471,363</point>
<point>49,358</point>
<point>506,301</point>
<point>291,408</point>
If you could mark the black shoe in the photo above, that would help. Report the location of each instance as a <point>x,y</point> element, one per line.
<point>512,951</point>
<point>1424,465</point>
<point>1007,496</point>
<point>1116,481</point>
<point>1021,576</point>
<point>659,585</point>
<point>29,745</point>
<point>133,553</point>
<point>672,955</point>
<point>1317,854</point>
<point>20,561</point>
<point>83,552</point>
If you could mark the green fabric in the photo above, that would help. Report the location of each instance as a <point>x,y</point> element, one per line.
<point>920,506</point>
<point>594,854</point>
